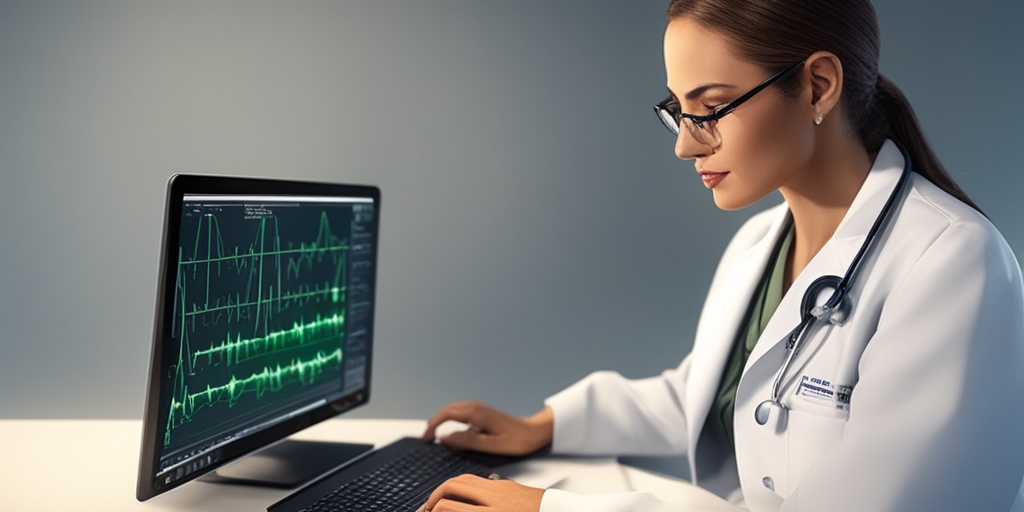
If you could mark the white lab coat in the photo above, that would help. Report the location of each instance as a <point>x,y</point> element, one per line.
<point>933,352</point>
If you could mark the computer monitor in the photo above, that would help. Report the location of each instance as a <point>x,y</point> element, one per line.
<point>263,327</point>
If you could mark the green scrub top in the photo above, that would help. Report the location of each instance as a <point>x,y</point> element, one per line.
<point>766,301</point>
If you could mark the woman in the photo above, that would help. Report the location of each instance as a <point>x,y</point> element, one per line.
<point>906,396</point>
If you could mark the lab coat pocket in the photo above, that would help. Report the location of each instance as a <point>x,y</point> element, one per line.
<point>813,428</point>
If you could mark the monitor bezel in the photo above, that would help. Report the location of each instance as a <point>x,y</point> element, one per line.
<point>178,186</point>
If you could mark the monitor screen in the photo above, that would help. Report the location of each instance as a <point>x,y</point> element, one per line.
<point>264,319</point>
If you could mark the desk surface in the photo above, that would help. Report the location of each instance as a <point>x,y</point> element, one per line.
<point>91,465</point>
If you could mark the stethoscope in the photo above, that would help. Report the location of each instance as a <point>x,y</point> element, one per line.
<point>837,307</point>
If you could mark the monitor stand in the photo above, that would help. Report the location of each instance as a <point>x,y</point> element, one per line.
<point>287,464</point>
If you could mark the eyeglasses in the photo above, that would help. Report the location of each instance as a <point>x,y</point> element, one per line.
<point>703,127</point>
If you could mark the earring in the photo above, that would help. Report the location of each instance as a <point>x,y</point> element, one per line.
<point>819,119</point>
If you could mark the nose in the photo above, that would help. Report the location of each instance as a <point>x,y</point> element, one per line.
<point>688,148</point>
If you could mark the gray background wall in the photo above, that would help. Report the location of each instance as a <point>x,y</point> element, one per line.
<point>536,224</point>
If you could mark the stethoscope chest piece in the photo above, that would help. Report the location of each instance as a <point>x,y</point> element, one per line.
<point>763,414</point>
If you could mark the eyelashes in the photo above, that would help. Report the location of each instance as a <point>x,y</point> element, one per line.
<point>713,109</point>
<point>674,107</point>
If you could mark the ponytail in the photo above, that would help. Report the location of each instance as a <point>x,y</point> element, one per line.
<point>895,119</point>
<point>776,33</point>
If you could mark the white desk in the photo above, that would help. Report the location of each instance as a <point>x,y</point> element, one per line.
<point>91,465</point>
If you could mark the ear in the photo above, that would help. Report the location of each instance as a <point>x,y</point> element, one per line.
<point>825,76</point>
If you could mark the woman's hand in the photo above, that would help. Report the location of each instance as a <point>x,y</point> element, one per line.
<point>493,431</point>
<point>470,493</point>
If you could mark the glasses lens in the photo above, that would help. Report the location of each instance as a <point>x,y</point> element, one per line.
<point>704,133</point>
<point>667,119</point>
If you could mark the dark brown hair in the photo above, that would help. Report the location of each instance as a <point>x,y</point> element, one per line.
<point>777,33</point>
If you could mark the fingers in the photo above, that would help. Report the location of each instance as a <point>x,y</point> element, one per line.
<point>467,412</point>
<point>450,506</point>
<point>472,493</point>
<point>455,493</point>
<point>468,440</point>
<point>491,430</point>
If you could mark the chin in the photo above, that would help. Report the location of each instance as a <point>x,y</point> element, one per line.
<point>737,201</point>
<point>730,204</point>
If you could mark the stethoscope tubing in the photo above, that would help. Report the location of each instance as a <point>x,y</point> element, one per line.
<point>880,222</point>
<point>810,313</point>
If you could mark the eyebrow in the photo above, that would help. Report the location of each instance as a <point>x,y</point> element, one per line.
<point>701,89</point>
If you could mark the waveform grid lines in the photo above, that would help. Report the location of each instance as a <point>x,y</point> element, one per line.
<point>267,380</point>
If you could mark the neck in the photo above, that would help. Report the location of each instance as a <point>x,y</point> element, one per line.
<point>820,196</point>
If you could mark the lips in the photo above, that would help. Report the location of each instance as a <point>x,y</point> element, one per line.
<point>712,178</point>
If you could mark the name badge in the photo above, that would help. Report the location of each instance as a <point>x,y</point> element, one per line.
<point>825,392</point>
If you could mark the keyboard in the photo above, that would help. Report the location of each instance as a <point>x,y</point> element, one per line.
<point>398,477</point>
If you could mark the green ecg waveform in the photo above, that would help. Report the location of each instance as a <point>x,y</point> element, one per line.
<point>300,335</point>
<point>252,260</point>
<point>260,383</point>
<point>263,290</point>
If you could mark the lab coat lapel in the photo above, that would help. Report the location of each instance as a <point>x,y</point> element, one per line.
<point>721,320</point>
